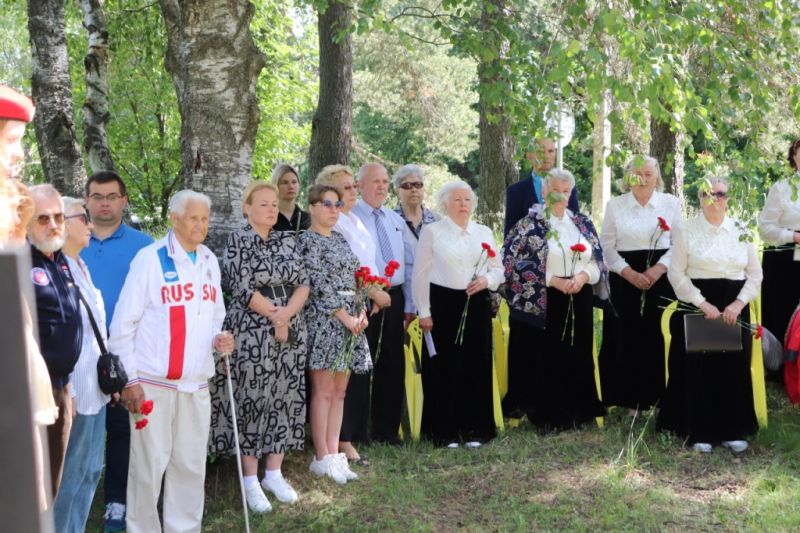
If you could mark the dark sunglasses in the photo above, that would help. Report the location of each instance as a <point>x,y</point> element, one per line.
<point>412,185</point>
<point>338,204</point>
<point>719,195</point>
<point>44,220</point>
<point>82,216</point>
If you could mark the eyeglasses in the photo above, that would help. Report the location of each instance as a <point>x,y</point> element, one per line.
<point>338,204</point>
<point>97,197</point>
<point>718,195</point>
<point>412,185</point>
<point>82,216</point>
<point>44,220</point>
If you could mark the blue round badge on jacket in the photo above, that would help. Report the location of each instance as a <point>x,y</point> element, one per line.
<point>39,276</point>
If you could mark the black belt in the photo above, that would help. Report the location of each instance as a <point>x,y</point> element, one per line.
<point>274,292</point>
<point>395,288</point>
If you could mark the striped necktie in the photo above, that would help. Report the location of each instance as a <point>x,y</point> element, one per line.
<point>383,237</point>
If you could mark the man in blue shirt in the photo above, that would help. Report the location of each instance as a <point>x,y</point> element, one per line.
<point>521,196</point>
<point>112,248</point>
<point>392,243</point>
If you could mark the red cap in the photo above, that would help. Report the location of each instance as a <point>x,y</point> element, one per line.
<point>15,106</point>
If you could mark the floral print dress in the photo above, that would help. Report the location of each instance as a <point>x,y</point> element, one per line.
<point>331,267</point>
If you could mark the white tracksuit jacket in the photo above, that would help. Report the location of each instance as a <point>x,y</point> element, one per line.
<point>169,312</point>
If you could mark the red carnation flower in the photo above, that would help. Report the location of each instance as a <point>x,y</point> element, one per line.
<point>759,331</point>
<point>491,253</point>
<point>147,407</point>
<point>663,224</point>
<point>486,246</point>
<point>394,264</point>
<point>140,424</point>
<point>578,247</point>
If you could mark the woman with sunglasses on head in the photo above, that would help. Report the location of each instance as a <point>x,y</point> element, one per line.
<point>636,241</point>
<point>709,396</point>
<point>290,216</point>
<point>333,324</point>
<point>266,276</point>
<point>779,226</point>
<point>84,459</point>
<point>356,406</point>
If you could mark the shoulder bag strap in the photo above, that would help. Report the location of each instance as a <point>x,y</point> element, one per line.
<point>92,321</point>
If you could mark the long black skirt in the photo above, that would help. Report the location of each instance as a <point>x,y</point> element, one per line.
<point>562,393</point>
<point>780,294</point>
<point>709,397</point>
<point>460,377</point>
<point>631,360</point>
<point>520,368</point>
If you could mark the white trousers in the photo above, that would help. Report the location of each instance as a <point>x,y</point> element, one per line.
<point>172,446</point>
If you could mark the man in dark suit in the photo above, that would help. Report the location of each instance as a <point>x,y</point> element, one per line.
<point>522,195</point>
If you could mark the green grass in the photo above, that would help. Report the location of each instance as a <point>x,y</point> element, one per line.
<point>623,477</point>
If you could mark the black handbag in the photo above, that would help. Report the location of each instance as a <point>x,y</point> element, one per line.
<point>705,336</point>
<point>111,375</point>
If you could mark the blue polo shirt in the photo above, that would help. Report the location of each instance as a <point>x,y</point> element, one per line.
<point>109,260</point>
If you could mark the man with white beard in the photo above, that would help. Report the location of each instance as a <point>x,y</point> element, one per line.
<point>58,311</point>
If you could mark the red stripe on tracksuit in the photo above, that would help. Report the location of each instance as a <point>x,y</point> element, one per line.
<point>177,341</point>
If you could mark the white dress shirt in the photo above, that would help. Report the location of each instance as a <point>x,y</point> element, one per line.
<point>89,399</point>
<point>781,215</point>
<point>559,255</point>
<point>628,226</point>
<point>447,255</point>
<point>401,242</point>
<point>704,251</point>
<point>359,239</point>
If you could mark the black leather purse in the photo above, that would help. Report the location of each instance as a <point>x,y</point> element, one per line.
<point>111,375</point>
<point>707,336</point>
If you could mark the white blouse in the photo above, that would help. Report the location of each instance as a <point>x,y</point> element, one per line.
<point>628,226</point>
<point>447,255</point>
<point>704,251</point>
<point>559,255</point>
<point>89,399</point>
<point>357,236</point>
<point>781,216</point>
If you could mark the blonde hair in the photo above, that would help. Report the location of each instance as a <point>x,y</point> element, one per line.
<point>328,174</point>
<point>280,171</point>
<point>254,187</point>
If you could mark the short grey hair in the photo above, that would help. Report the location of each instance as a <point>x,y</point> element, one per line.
<point>560,174</point>
<point>70,202</point>
<point>638,162</point>
<point>713,180</point>
<point>443,196</point>
<point>280,171</point>
<point>179,200</point>
<point>45,190</point>
<point>406,171</point>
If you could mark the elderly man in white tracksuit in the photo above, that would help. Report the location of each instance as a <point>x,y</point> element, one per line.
<point>166,325</point>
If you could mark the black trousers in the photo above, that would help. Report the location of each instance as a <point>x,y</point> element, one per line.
<point>388,373</point>
<point>118,447</point>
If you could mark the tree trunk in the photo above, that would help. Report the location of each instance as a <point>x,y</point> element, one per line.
<point>51,88</point>
<point>331,127</point>
<point>667,147</point>
<point>497,149</point>
<point>601,149</point>
<point>95,109</point>
<point>214,65</point>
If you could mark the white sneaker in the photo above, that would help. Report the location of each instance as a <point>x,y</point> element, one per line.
<point>736,446</point>
<point>452,446</point>
<point>280,488</point>
<point>473,444</point>
<point>256,500</point>
<point>344,466</point>
<point>327,467</point>
<point>702,447</point>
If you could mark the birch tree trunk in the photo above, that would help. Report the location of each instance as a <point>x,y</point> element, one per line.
<point>601,149</point>
<point>214,64</point>
<point>51,89</point>
<point>331,127</point>
<point>497,148</point>
<point>95,109</point>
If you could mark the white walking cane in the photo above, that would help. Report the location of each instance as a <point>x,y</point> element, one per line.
<point>236,437</point>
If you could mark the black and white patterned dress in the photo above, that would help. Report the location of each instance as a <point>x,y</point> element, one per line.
<point>331,267</point>
<point>268,376</point>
